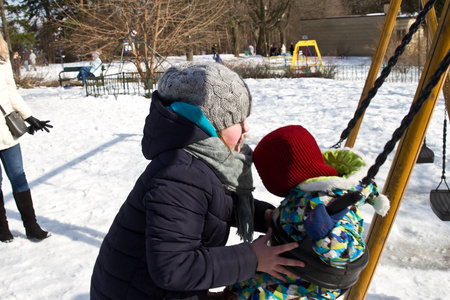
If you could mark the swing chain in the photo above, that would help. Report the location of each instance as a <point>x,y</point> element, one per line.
<point>386,71</point>
<point>407,120</point>
<point>444,151</point>
<point>444,146</point>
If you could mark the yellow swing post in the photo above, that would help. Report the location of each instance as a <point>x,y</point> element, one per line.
<point>432,25</point>
<point>405,158</point>
<point>377,59</point>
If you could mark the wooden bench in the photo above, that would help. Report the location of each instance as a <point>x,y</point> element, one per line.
<point>69,70</point>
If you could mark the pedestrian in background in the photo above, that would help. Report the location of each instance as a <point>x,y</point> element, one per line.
<point>25,58</point>
<point>11,154</point>
<point>93,70</point>
<point>251,50</point>
<point>16,64</point>
<point>33,60</point>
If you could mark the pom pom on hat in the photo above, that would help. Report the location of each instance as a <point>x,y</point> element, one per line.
<point>96,54</point>
<point>288,156</point>
<point>381,205</point>
<point>219,92</point>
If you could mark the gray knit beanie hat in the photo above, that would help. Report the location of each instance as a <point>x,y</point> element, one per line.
<point>220,93</point>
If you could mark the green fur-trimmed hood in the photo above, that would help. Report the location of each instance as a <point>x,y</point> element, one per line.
<point>349,165</point>
<point>351,169</point>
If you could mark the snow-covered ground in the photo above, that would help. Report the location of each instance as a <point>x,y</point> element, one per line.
<point>81,172</point>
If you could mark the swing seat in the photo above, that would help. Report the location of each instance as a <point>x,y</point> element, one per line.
<point>440,203</point>
<point>426,155</point>
<point>315,270</point>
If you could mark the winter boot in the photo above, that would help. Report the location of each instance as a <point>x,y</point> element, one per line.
<point>25,206</point>
<point>5,234</point>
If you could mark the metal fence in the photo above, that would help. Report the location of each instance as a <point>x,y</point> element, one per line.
<point>399,73</point>
<point>125,83</point>
<point>270,71</point>
<point>131,83</point>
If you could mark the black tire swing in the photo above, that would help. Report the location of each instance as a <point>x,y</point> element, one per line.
<point>315,270</point>
<point>440,199</point>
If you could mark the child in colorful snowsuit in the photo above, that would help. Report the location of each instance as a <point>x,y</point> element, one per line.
<point>291,165</point>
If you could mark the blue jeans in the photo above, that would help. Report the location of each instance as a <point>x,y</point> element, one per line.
<point>13,165</point>
<point>84,72</point>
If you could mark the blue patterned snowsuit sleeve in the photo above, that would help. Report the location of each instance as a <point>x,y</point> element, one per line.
<point>345,243</point>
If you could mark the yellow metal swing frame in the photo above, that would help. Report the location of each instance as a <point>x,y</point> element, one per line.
<point>305,60</point>
<point>409,146</point>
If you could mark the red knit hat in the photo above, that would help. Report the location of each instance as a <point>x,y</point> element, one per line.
<point>288,156</point>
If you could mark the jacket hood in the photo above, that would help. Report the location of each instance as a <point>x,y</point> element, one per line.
<point>165,130</point>
<point>351,168</point>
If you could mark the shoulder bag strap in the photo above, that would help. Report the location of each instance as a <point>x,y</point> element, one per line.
<point>3,111</point>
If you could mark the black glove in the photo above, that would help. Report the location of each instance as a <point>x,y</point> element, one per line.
<point>37,125</point>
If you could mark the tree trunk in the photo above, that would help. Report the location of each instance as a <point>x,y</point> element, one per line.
<point>261,48</point>
<point>282,37</point>
<point>235,36</point>
<point>5,26</point>
<point>189,54</point>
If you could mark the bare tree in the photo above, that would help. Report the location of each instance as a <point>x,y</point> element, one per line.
<point>166,26</point>
<point>237,18</point>
<point>5,25</point>
<point>283,24</point>
<point>266,15</point>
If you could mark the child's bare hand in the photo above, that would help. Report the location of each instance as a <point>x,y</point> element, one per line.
<point>269,259</point>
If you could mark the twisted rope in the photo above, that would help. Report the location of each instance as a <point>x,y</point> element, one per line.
<point>386,71</point>
<point>407,120</point>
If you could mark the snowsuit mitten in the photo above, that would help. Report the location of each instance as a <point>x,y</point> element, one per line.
<point>318,223</point>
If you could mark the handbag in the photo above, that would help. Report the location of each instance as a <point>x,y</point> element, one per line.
<point>15,123</point>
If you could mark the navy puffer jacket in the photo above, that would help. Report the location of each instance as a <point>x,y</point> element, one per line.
<point>168,238</point>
